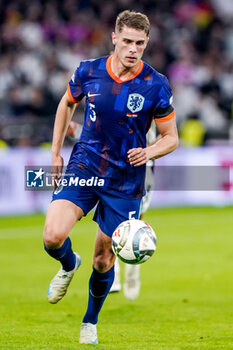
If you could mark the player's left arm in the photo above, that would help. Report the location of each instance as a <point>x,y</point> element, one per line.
<point>166,143</point>
<point>164,116</point>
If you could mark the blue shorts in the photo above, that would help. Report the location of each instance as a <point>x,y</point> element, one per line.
<point>110,210</point>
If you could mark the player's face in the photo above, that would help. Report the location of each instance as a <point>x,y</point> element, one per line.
<point>129,44</point>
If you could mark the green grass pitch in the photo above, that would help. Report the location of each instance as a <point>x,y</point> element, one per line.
<point>186,299</point>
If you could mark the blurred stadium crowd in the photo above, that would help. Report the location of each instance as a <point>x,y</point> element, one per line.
<point>43,41</point>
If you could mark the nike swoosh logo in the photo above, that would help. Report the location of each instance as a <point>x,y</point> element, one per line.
<point>92,95</point>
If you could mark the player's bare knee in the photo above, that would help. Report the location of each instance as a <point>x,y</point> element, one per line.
<point>52,238</point>
<point>103,263</point>
<point>100,263</point>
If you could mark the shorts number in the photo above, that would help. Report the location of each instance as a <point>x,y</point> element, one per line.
<point>131,214</point>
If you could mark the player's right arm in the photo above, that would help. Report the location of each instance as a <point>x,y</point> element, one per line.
<point>64,115</point>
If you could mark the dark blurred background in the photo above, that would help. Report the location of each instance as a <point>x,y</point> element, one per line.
<point>42,43</point>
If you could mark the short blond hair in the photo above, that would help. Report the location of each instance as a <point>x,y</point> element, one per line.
<point>132,19</point>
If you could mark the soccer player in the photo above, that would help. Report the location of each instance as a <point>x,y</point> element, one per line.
<point>132,282</point>
<point>123,94</point>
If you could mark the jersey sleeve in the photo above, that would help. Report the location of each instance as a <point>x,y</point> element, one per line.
<point>74,87</point>
<point>164,110</point>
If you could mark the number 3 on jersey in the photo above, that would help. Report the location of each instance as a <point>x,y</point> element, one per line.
<point>92,112</point>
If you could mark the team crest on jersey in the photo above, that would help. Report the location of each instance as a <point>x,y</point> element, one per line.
<point>135,102</point>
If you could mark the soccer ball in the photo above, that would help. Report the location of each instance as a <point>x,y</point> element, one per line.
<point>134,241</point>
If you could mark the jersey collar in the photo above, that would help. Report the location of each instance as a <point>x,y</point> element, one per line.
<point>114,77</point>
